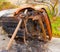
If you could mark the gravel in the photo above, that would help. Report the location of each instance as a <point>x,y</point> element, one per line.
<point>34,46</point>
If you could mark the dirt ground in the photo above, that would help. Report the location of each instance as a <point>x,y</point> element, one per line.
<point>51,46</point>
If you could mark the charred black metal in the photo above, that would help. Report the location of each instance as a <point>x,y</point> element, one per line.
<point>29,26</point>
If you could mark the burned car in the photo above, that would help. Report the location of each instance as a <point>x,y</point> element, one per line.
<point>35,23</point>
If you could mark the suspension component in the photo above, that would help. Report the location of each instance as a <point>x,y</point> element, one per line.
<point>35,24</point>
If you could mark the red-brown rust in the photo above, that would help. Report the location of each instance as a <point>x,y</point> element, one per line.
<point>32,17</point>
<point>34,22</point>
<point>24,6</point>
<point>48,24</point>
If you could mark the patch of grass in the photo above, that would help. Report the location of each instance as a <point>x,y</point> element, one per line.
<point>2,0</point>
<point>6,5</point>
<point>56,27</point>
<point>55,24</point>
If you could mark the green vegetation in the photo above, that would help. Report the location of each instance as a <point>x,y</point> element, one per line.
<point>56,27</point>
<point>55,23</point>
<point>2,0</point>
<point>6,5</point>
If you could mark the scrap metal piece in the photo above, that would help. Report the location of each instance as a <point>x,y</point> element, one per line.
<point>35,24</point>
<point>13,36</point>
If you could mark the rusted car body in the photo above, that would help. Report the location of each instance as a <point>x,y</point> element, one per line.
<point>35,23</point>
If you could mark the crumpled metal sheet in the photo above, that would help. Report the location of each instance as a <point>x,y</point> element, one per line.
<point>52,46</point>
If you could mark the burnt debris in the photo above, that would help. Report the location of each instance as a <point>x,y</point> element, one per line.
<point>34,25</point>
